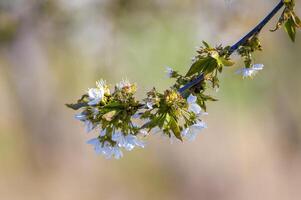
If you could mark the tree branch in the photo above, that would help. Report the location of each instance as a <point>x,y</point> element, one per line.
<point>234,47</point>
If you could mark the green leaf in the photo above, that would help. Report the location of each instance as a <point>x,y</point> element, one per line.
<point>76,106</point>
<point>198,65</point>
<point>175,128</point>
<point>210,66</point>
<point>296,20</point>
<point>80,103</point>
<point>114,105</point>
<point>206,44</point>
<point>157,121</point>
<point>225,62</point>
<point>290,29</point>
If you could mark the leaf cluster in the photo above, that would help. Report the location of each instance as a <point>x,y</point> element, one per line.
<point>289,19</point>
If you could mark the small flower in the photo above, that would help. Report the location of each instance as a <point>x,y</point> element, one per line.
<point>250,72</point>
<point>89,126</point>
<point>193,106</point>
<point>95,95</point>
<point>96,144</point>
<point>149,105</point>
<point>102,133</point>
<point>80,117</point>
<point>105,149</point>
<point>191,132</point>
<point>137,115</point>
<point>126,86</point>
<point>128,142</point>
<point>132,141</point>
<point>101,84</point>
<point>169,72</point>
<point>119,138</point>
<point>116,152</point>
<point>123,84</point>
<point>110,151</point>
<point>143,132</point>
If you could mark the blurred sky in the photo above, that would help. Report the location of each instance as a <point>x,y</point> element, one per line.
<point>51,51</point>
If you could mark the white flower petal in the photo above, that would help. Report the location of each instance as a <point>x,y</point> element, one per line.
<point>95,95</point>
<point>200,125</point>
<point>94,141</point>
<point>89,126</point>
<point>94,102</point>
<point>169,72</point>
<point>258,67</point>
<point>191,132</point>
<point>149,105</point>
<point>249,72</point>
<point>97,145</point>
<point>122,84</point>
<point>143,132</point>
<point>191,99</point>
<point>117,152</point>
<point>195,108</point>
<point>102,133</point>
<point>101,83</point>
<point>80,117</point>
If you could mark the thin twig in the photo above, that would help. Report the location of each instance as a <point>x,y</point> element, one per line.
<point>234,47</point>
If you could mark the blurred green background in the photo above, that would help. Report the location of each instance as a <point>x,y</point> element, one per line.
<point>52,51</point>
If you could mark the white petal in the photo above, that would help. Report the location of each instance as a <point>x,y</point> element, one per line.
<point>122,84</point>
<point>80,117</point>
<point>129,147</point>
<point>185,132</point>
<point>116,136</point>
<point>169,72</point>
<point>195,108</point>
<point>191,99</point>
<point>94,102</point>
<point>97,145</point>
<point>200,125</point>
<point>258,67</point>
<point>117,153</point>
<point>149,105</point>
<point>95,95</point>
<point>135,141</point>
<point>136,115</point>
<point>143,132</point>
<point>102,133</point>
<point>92,93</point>
<point>129,142</point>
<point>101,83</point>
<point>94,142</point>
<point>89,126</point>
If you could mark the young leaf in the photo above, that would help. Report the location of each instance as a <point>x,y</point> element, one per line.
<point>198,65</point>
<point>290,29</point>
<point>206,44</point>
<point>296,20</point>
<point>76,106</point>
<point>175,128</point>
<point>225,62</point>
<point>210,66</point>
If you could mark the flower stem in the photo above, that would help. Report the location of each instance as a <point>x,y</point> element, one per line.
<point>257,28</point>
<point>234,47</point>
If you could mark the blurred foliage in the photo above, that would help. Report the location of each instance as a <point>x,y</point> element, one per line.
<point>50,50</point>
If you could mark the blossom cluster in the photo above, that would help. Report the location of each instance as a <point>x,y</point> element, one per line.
<point>115,116</point>
<point>109,113</point>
